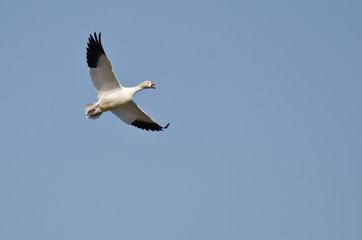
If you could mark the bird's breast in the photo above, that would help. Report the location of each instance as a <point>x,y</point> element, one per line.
<point>113,101</point>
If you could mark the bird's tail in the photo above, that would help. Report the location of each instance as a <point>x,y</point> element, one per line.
<point>91,111</point>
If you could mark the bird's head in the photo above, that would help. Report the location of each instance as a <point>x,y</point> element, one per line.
<point>148,84</point>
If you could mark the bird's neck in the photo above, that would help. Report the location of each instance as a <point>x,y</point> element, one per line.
<point>136,89</point>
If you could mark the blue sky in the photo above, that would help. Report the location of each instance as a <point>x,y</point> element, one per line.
<point>264,100</point>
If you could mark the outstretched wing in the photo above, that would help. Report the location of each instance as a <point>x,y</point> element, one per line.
<point>130,113</point>
<point>103,77</point>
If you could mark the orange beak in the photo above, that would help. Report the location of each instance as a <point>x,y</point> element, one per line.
<point>152,85</point>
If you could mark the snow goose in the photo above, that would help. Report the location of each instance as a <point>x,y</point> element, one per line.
<point>112,96</point>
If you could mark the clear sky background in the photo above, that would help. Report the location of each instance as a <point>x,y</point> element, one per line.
<point>264,100</point>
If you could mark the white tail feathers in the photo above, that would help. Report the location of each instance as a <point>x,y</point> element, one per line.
<point>91,111</point>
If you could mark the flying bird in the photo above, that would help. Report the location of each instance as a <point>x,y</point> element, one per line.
<point>112,96</point>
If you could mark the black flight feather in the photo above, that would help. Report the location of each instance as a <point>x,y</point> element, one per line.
<point>94,50</point>
<point>148,126</point>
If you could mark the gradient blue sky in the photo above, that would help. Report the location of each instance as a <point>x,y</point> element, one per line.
<point>264,100</point>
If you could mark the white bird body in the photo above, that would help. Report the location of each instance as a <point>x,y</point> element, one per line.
<point>112,96</point>
<point>115,99</point>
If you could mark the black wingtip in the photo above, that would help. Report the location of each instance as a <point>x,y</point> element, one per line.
<point>148,126</point>
<point>94,50</point>
<point>98,39</point>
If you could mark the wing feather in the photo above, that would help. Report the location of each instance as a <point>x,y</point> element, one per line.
<point>103,77</point>
<point>132,114</point>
